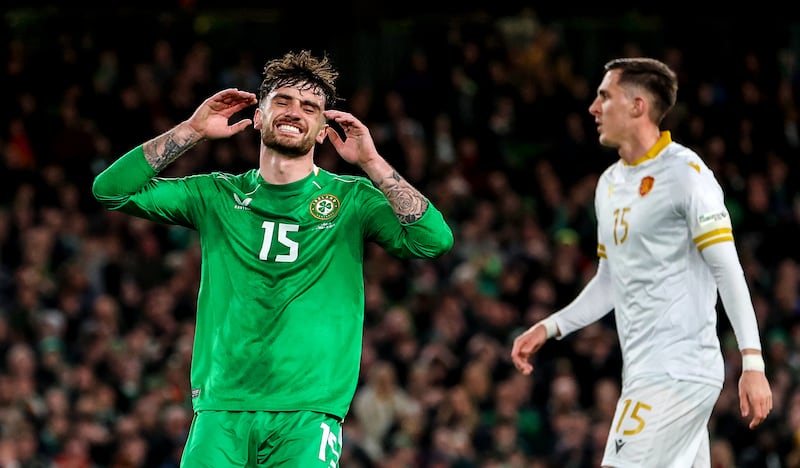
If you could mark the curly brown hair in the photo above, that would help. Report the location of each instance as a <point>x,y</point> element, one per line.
<point>301,69</point>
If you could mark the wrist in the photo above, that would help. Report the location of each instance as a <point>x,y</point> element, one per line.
<point>550,327</point>
<point>375,165</point>
<point>752,362</point>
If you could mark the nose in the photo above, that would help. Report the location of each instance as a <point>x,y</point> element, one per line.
<point>593,107</point>
<point>293,108</point>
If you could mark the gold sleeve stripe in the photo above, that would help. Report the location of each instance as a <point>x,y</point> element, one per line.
<point>601,250</point>
<point>601,254</point>
<point>713,241</point>
<point>716,232</point>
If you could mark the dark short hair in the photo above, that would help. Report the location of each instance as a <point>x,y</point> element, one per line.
<point>303,69</point>
<point>652,75</point>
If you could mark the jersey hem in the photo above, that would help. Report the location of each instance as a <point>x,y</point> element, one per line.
<point>269,409</point>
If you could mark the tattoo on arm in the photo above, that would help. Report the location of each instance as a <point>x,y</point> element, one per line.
<point>408,203</point>
<point>163,149</point>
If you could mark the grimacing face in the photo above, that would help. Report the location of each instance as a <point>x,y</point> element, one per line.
<point>290,120</point>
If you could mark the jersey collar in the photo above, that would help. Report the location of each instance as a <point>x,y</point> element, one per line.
<point>664,139</point>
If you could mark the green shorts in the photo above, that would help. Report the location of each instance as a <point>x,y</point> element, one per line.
<point>250,439</point>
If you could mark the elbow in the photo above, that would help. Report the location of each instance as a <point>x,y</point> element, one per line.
<point>441,246</point>
<point>431,247</point>
<point>97,190</point>
<point>105,196</point>
<point>447,244</point>
<point>100,193</point>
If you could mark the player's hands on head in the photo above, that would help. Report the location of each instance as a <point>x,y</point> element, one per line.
<point>211,118</point>
<point>357,146</point>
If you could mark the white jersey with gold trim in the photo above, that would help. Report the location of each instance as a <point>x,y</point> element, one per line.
<point>654,219</point>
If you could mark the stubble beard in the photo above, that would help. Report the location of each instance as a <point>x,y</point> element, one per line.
<point>293,149</point>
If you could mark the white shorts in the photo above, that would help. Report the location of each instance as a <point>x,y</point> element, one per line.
<point>661,422</point>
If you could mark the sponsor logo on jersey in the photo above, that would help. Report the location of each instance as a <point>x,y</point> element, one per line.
<point>646,185</point>
<point>241,204</point>
<point>618,443</point>
<point>324,225</point>
<point>324,207</point>
<point>711,217</point>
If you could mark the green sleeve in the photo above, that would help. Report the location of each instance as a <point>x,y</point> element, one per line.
<point>428,237</point>
<point>114,186</point>
<point>130,185</point>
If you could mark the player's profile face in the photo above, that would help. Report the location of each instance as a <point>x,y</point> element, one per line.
<point>610,109</point>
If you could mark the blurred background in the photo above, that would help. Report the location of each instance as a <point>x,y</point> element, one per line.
<point>482,107</point>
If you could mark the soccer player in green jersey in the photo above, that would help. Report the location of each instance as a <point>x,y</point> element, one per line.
<point>281,302</point>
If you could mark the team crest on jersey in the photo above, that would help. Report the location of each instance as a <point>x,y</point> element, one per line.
<point>646,185</point>
<point>324,207</point>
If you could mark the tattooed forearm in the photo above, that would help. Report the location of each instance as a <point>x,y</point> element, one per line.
<point>165,148</point>
<point>408,204</point>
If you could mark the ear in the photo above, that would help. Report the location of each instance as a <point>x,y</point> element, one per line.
<point>639,107</point>
<point>257,118</point>
<point>323,133</point>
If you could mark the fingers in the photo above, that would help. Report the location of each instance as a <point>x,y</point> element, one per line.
<point>346,120</point>
<point>334,137</point>
<point>337,115</point>
<point>232,100</point>
<point>760,411</point>
<point>755,400</point>
<point>758,417</point>
<point>241,125</point>
<point>744,405</point>
<point>234,108</point>
<point>526,345</point>
<point>523,365</point>
<point>234,94</point>
<point>520,356</point>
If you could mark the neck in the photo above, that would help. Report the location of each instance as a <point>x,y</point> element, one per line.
<point>638,145</point>
<point>279,169</point>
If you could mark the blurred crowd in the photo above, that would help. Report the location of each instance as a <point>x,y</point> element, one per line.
<point>489,118</point>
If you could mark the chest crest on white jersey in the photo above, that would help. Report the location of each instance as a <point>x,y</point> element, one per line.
<point>646,185</point>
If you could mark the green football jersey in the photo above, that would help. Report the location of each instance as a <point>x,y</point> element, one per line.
<point>281,302</point>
